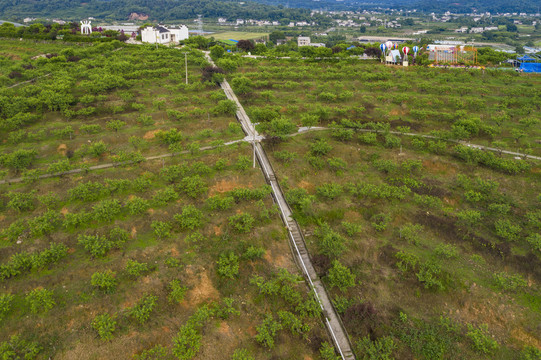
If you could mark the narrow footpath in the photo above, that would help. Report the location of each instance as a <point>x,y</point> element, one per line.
<point>333,322</point>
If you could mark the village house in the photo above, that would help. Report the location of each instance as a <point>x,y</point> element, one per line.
<point>164,35</point>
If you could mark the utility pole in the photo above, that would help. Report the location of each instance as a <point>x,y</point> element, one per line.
<point>186,64</point>
<point>253,143</point>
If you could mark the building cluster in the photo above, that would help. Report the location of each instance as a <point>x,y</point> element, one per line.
<point>476,30</point>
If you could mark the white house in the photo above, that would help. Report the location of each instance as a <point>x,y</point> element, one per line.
<point>303,41</point>
<point>164,35</point>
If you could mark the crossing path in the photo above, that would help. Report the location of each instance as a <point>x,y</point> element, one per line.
<point>333,322</point>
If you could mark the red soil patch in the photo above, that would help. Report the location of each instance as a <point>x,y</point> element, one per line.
<point>307,186</point>
<point>225,186</point>
<point>150,134</point>
<point>62,148</point>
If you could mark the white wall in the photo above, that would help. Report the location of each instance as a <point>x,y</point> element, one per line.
<point>150,35</point>
<point>180,33</point>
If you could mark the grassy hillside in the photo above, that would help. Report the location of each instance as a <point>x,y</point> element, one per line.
<point>158,258</point>
<point>432,249</point>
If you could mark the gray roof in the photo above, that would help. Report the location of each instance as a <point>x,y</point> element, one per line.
<point>161,29</point>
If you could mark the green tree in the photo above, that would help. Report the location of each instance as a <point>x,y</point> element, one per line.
<point>105,325</point>
<point>340,276</point>
<point>105,281</point>
<point>40,300</point>
<point>228,265</point>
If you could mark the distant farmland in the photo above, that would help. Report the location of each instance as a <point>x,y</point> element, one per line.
<point>237,35</point>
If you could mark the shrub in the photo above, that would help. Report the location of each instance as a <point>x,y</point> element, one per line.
<point>145,120</point>
<point>21,201</point>
<point>379,349</point>
<point>509,282</point>
<point>242,354</point>
<point>40,300</point>
<point>157,352</point>
<point>228,265</point>
<point>161,229</point>
<point>351,228</point>
<point>96,245</point>
<point>44,224</point>
<point>20,159</point>
<point>104,324</point>
<point>530,353</point>
<point>16,348</point>
<point>429,274</point>
<point>137,205</point>
<point>135,268</point>
<point>97,149</point>
<point>243,162</point>
<point>329,190</point>
<point>446,251</point>
<point>481,340</point>
<point>105,281</point>
<point>330,243</point>
<point>253,252</point>
<point>89,191</point>
<point>507,230</point>
<point>143,308</point>
<point>368,138</point>
<point>5,304</point>
<point>284,156</point>
<point>320,147</point>
<point>218,202</point>
<point>327,352</point>
<point>77,220</point>
<point>535,241</point>
<point>340,276</point>
<point>187,342</point>
<point>106,210</point>
<point>469,217</point>
<point>173,173</point>
<point>241,223</point>
<point>14,231</point>
<point>380,221</point>
<point>164,196</point>
<point>193,186</point>
<point>190,218</point>
<point>267,331</point>
<point>170,136</point>
<point>115,125</point>
<point>176,291</point>
<point>411,232</point>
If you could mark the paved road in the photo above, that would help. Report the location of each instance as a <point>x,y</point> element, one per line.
<point>332,320</point>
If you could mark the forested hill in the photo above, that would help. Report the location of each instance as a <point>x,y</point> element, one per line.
<point>439,6</point>
<point>493,6</point>
<point>156,9</point>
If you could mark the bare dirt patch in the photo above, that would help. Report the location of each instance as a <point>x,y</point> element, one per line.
<point>62,148</point>
<point>202,290</point>
<point>225,186</point>
<point>311,188</point>
<point>150,134</point>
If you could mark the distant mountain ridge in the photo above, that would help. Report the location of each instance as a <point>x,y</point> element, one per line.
<point>458,6</point>
<point>161,10</point>
<point>158,10</point>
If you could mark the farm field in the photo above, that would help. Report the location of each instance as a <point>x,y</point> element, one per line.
<point>479,106</point>
<point>150,259</point>
<point>431,249</point>
<point>237,35</point>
